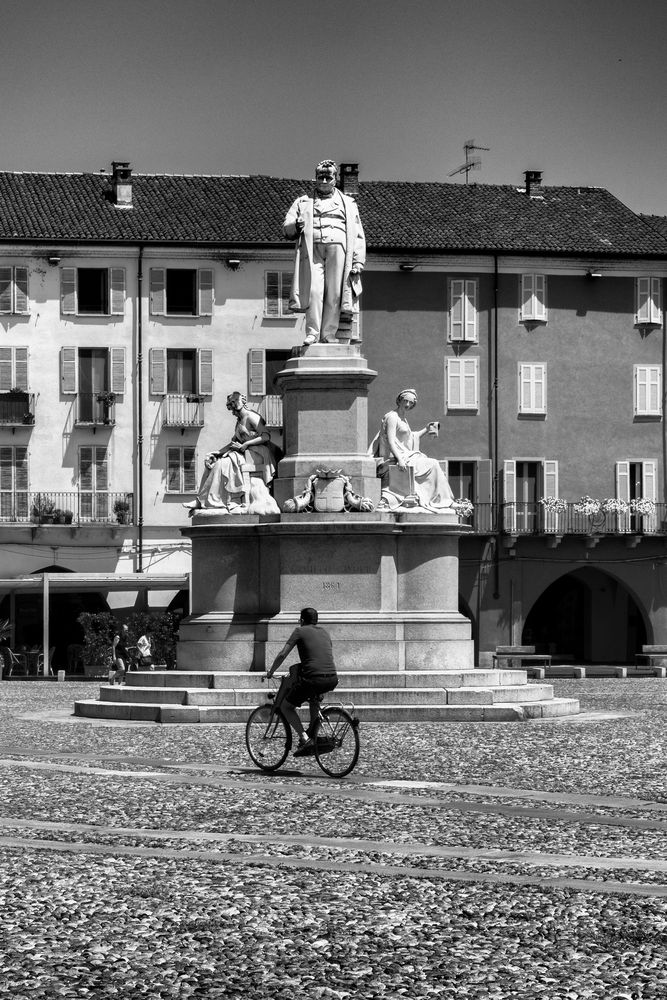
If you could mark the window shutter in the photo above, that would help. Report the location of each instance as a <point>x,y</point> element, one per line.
<point>68,370</point>
<point>5,289</point>
<point>525,386</point>
<point>68,291</point>
<point>256,372</point>
<point>643,295</point>
<point>550,478</point>
<point>6,468</point>
<point>205,287</point>
<point>6,369</point>
<point>456,310</point>
<point>470,383</point>
<point>21,368</point>
<point>526,310</point>
<point>540,383</point>
<point>286,292</point>
<point>158,371</point>
<point>174,470</point>
<point>189,478</point>
<point>540,297</point>
<point>650,492</point>
<point>655,389</point>
<point>21,468</point>
<point>454,382</point>
<point>484,491</point>
<point>158,295</point>
<point>117,365</point>
<point>21,290</point>
<point>272,293</point>
<point>471,311</point>
<point>656,297</point>
<point>509,495</point>
<point>623,481</point>
<point>205,374</point>
<point>86,467</point>
<point>117,285</point>
<point>101,470</point>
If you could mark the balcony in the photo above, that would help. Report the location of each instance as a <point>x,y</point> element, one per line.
<point>533,519</point>
<point>95,408</point>
<point>182,411</point>
<point>271,408</point>
<point>17,409</point>
<point>84,507</point>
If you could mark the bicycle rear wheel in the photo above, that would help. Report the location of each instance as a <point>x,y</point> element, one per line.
<point>268,738</point>
<point>337,742</point>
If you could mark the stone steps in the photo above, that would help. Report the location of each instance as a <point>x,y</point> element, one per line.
<point>347,678</point>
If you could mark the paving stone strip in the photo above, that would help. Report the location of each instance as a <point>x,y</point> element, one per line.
<point>316,864</point>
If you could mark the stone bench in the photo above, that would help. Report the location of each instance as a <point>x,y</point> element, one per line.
<point>507,654</point>
<point>653,660</point>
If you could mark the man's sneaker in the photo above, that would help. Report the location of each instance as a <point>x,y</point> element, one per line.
<point>305,748</point>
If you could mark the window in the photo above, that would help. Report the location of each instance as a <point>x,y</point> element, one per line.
<point>277,291</point>
<point>13,368</point>
<point>637,481</point>
<point>181,291</point>
<point>463,310</point>
<point>92,291</point>
<point>181,476</point>
<point>263,366</point>
<point>533,389</point>
<point>14,290</point>
<point>648,390</point>
<point>14,483</point>
<point>533,298</point>
<point>93,483</point>
<point>648,301</point>
<point>181,372</point>
<point>462,383</point>
<point>525,482</point>
<point>472,479</point>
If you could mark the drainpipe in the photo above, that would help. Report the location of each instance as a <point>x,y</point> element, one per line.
<point>140,416</point>
<point>664,398</point>
<point>495,495</point>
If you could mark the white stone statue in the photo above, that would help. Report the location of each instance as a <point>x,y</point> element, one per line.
<point>237,477</point>
<point>330,256</point>
<point>410,479</point>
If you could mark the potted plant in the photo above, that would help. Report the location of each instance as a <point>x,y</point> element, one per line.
<point>58,516</point>
<point>106,399</point>
<point>42,509</point>
<point>121,509</point>
<point>69,516</point>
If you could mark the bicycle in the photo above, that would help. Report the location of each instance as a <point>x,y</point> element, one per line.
<point>268,736</point>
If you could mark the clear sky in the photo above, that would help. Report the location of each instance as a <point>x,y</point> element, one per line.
<point>576,88</point>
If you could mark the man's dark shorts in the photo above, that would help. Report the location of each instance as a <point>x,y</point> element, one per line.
<point>305,690</point>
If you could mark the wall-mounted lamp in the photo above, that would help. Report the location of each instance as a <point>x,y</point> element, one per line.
<point>594,272</point>
<point>233,263</point>
<point>406,265</point>
<point>53,261</point>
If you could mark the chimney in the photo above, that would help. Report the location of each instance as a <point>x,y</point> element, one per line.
<point>348,179</point>
<point>533,183</point>
<point>122,184</point>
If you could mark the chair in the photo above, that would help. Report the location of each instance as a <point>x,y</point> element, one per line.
<point>40,662</point>
<point>12,661</point>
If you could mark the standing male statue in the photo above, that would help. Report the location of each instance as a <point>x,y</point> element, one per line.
<point>330,256</point>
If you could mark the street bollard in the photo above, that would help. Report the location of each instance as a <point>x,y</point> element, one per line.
<point>61,675</point>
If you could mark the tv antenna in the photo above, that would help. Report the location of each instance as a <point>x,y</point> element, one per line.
<point>472,162</point>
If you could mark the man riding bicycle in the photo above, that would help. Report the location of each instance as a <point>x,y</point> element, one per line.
<point>309,679</point>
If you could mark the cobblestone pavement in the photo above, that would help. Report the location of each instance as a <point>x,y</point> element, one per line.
<point>459,860</point>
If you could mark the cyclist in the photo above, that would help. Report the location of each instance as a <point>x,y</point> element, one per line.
<point>308,679</point>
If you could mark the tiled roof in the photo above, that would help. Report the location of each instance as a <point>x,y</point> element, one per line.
<point>658,222</point>
<point>400,215</point>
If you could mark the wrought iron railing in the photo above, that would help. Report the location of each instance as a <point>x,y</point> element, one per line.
<point>17,408</point>
<point>84,507</point>
<point>535,519</point>
<point>95,408</point>
<point>182,411</point>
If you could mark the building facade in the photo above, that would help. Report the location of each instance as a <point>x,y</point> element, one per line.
<point>529,318</point>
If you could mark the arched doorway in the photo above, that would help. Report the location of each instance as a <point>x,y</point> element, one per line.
<point>587,616</point>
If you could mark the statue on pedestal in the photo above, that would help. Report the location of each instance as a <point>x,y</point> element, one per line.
<point>410,479</point>
<point>330,256</point>
<point>237,476</point>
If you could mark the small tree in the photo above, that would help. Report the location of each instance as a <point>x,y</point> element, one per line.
<point>99,629</point>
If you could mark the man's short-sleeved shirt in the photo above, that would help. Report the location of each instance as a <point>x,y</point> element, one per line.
<point>314,645</point>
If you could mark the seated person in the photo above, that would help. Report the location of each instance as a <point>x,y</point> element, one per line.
<point>224,482</point>
<point>312,677</point>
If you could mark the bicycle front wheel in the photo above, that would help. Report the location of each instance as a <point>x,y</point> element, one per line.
<point>337,742</point>
<point>268,738</point>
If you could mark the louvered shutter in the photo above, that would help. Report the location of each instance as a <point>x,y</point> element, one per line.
<point>158,371</point>
<point>21,483</point>
<point>456,310</point>
<point>205,371</point>
<point>21,290</point>
<point>69,370</point>
<point>643,300</point>
<point>6,369</point>
<point>158,293</point>
<point>5,289</point>
<point>101,469</point>
<point>623,492</point>
<point>656,298</point>
<point>21,368</point>
<point>470,394</point>
<point>272,293</point>
<point>86,473</point>
<point>454,383</point>
<point>527,291</point>
<point>256,372</point>
<point>540,297</point>
<point>540,389</point>
<point>509,495</point>
<point>117,285</point>
<point>68,290</point>
<point>650,492</point>
<point>483,497</point>
<point>525,387</point>
<point>117,365</point>
<point>174,470</point>
<point>189,477</point>
<point>286,291</point>
<point>205,290</point>
<point>470,306</point>
<point>550,473</point>
<point>6,468</point>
